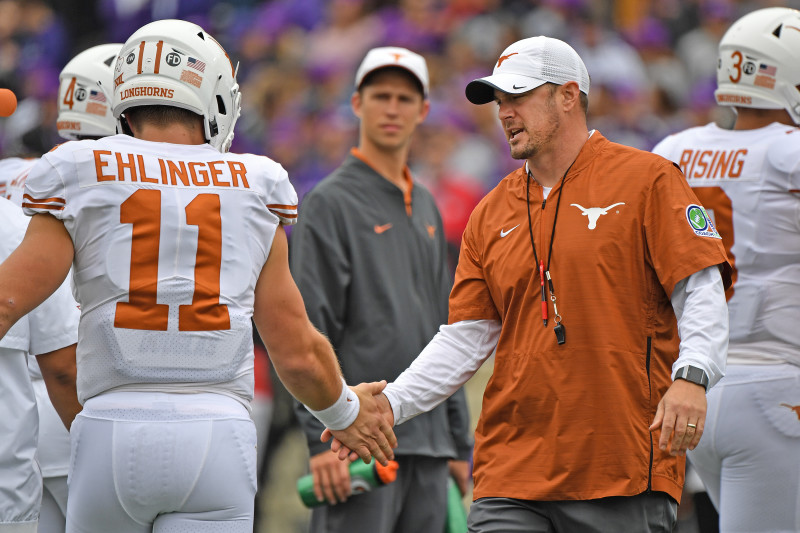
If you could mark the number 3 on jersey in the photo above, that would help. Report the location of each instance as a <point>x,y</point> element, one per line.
<point>142,209</point>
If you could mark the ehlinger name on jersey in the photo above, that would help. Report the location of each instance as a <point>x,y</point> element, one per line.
<point>117,166</point>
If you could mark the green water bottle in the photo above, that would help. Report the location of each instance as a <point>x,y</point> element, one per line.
<point>456,514</point>
<point>363,477</point>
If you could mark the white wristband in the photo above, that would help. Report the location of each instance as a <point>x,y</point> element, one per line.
<point>342,413</point>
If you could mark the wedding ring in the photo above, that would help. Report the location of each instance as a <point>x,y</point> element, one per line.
<point>693,426</point>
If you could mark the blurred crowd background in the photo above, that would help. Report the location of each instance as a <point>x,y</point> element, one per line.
<point>652,65</point>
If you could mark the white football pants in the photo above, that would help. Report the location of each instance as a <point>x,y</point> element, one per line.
<point>176,476</point>
<point>749,455</point>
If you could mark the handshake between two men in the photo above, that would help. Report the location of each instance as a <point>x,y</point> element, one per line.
<point>370,434</point>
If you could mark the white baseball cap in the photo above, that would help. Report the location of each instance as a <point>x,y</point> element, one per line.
<point>393,56</point>
<point>527,64</point>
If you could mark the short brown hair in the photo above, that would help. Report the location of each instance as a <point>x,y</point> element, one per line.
<point>163,115</point>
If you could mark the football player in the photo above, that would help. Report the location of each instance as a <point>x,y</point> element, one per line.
<point>49,333</point>
<point>84,112</point>
<point>749,180</point>
<point>175,245</point>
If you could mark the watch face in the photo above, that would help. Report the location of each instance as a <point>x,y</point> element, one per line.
<point>695,374</point>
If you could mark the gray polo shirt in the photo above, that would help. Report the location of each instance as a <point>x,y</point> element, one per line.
<point>375,280</point>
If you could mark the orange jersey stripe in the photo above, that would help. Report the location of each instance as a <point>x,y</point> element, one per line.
<point>43,200</point>
<point>279,206</point>
<point>37,206</point>
<point>285,215</point>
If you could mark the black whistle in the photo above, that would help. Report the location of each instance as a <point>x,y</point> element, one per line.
<point>561,333</point>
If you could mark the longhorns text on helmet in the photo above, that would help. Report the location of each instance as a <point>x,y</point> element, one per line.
<point>759,62</point>
<point>176,63</point>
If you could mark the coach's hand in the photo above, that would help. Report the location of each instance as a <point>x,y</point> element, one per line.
<point>370,435</point>
<point>681,415</point>
<point>331,477</point>
<point>459,471</point>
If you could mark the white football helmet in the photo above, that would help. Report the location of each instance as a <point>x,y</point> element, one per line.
<point>176,63</point>
<point>85,88</point>
<point>759,62</point>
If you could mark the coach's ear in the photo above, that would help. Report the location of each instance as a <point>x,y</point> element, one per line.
<point>423,114</point>
<point>570,95</point>
<point>355,103</point>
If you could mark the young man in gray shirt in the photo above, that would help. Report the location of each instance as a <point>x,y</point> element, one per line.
<point>370,259</point>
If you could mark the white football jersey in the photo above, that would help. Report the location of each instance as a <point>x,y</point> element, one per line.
<point>13,172</point>
<point>169,243</point>
<point>749,181</point>
<point>54,446</point>
<point>51,326</point>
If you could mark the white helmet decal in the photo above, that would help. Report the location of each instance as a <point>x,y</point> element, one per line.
<point>759,62</point>
<point>85,89</point>
<point>176,63</point>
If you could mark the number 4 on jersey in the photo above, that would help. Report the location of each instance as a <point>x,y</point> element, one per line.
<point>142,311</point>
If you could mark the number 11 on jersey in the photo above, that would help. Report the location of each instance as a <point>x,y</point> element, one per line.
<point>142,209</point>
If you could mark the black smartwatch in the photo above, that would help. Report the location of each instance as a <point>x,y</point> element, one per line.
<point>694,375</point>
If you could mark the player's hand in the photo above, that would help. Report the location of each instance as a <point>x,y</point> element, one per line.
<point>331,477</point>
<point>684,403</point>
<point>459,470</point>
<point>370,435</point>
<point>345,452</point>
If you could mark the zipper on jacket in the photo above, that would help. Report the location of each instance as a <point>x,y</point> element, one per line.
<point>650,396</point>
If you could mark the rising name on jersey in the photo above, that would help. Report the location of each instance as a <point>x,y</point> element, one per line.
<point>712,164</point>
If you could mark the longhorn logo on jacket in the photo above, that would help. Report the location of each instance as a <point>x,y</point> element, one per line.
<point>594,212</point>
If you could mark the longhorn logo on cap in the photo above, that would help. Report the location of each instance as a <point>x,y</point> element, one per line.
<point>503,58</point>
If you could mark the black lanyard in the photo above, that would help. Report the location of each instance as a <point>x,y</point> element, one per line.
<point>544,273</point>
